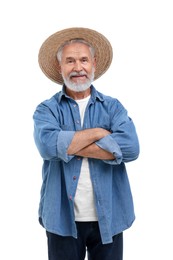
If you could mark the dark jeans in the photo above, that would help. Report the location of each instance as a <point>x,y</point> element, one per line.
<point>69,248</point>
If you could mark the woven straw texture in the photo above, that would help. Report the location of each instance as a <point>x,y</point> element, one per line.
<point>47,54</point>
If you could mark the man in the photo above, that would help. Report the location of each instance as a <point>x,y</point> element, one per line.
<point>85,138</point>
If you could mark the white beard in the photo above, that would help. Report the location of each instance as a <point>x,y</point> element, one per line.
<point>77,86</point>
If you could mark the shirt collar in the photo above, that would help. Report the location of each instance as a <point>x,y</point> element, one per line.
<point>94,94</point>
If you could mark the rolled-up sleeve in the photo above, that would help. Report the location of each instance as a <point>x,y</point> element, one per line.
<point>51,141</point>
<point>63,142</point>
<point>127,139</point>
<point>109,144</point>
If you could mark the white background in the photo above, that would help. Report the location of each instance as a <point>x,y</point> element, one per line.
<point>141,77</point>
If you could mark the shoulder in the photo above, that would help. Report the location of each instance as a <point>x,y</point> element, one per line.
<point>110,100</point>
<point>51,102</point>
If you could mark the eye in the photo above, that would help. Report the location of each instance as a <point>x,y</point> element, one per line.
<point>84,60</point>
<point>70,61</point>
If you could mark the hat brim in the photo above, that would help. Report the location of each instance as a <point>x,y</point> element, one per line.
<point>47,57</point>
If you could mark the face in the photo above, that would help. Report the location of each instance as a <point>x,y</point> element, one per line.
<point>77,67</point>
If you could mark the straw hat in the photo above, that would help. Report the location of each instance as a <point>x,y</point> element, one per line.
<point>47,57</point>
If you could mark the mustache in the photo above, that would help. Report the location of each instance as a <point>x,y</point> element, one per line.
<point>80,73</point>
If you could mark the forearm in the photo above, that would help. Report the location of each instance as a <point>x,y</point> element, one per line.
<point>94,151</point>
<point>85,138</point>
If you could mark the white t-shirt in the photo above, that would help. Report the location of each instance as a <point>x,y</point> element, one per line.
<point>84,199</point>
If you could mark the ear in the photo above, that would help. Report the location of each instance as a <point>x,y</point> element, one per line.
<point>94,62</point>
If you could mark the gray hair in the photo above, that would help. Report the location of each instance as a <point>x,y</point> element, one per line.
<point>76,40</point>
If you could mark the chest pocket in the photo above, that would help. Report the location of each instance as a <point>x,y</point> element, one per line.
<point>101,120</point>
<point>104,122</point>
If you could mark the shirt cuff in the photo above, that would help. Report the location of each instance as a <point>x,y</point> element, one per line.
<point>63,142</point>
<point>109,144</point>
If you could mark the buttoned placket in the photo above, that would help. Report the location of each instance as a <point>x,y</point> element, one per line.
<point>76,115</point>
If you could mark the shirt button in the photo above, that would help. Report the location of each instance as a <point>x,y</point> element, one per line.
<point>77,121</point>
<point>74,178</point>
<point>70,197</point>
<point>78,158</point>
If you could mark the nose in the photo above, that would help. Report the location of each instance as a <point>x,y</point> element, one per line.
<point>78,66</point>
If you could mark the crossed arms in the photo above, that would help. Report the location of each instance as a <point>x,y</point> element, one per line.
<point>83,144</point>
<point>60,143</point>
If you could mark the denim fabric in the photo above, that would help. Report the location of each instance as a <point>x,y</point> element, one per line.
<point>89,239</point>
<point>55,123</point>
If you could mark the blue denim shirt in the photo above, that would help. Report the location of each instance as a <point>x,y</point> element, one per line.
<point>55,122</point>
